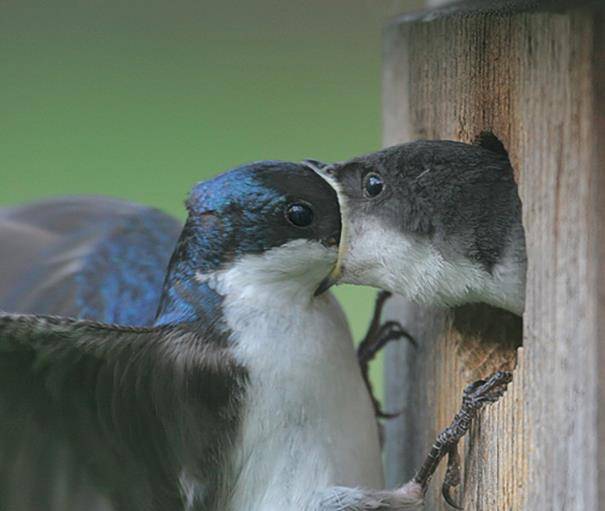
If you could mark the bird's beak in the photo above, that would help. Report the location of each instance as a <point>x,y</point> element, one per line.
<point>336,273</point>
<point>328,173</point>
<point>329,281</point>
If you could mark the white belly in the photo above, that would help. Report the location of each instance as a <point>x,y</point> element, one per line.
<point>308,422</point>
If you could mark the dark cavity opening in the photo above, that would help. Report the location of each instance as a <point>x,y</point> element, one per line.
<point>487,337</point>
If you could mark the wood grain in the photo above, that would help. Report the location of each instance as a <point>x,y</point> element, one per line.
<point>533,74</point>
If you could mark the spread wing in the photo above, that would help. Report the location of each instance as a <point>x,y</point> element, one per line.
<point>127,410</point>
<point>86,257</point>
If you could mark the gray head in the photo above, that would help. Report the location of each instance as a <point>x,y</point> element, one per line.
<point>437,221</point>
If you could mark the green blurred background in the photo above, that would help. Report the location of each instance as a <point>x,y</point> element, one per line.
<point>141,99</point>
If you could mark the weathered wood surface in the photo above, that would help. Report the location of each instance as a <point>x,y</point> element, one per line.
<point>534,74</point>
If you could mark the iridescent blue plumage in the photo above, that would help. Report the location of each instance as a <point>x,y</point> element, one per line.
<point>129,268</point>
<point>87,257</point>
<point>187,301</point>
<point>105,259</point>
<point>226,219</point>
<point>218,232</point>
<point>243,183</point>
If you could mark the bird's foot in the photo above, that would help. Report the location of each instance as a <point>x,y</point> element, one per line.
<point>452,476</point>
<point>377,337</point>
<point>475,396</point>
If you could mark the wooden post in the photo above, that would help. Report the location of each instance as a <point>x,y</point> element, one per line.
<point>533,73</point>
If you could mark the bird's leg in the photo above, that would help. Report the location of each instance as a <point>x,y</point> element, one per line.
<point>452,476</point>
<point>339,498</point>
<point>476,395</point>
<point>377,337</point>
<point>411,495</point>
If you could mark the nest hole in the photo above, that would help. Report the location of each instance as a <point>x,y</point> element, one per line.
<point>487,338</point>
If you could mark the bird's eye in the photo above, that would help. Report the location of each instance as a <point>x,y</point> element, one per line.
<point>299,214</point>
<point>373,185</point>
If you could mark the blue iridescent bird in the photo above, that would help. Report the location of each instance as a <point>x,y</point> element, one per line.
<point>242,392</point>
<point>86,257</point>
<point>223,383</point>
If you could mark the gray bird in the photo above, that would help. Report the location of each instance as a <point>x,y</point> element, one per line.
<point>242,392</point>
<point>436,221</point>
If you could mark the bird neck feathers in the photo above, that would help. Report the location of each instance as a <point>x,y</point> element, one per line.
<point>284,276</point>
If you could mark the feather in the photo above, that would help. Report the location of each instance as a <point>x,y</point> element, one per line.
<point>77,398</point>
<point>129,407</point>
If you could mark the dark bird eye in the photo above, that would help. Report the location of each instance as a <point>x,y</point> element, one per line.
<point>373,185</point>
<point>300,214</point>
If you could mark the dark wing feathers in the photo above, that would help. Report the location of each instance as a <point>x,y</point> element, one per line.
<point>112,399</point>
<point>70,380</point>
<point>93,415</point>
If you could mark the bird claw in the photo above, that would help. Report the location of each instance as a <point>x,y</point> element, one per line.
<point>381,414</point>
<point>475,396</point>
<point>445,492</point>
<point>481,392</point>
<point>393,331</point>
<point>377,337</point>
<point>452,477</point>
